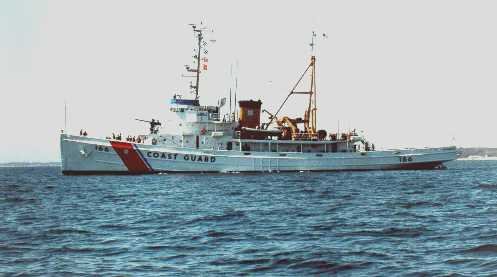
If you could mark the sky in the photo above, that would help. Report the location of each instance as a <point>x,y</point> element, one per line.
<point>408,73</point>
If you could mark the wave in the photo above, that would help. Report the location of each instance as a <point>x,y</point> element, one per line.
<point>172,247</point>
<point>6,247</point>
<point>17,199</point>
<point>228,215</point>
<point>119,197</point>
<point>410,205</point>
<point>372,254</point>
<point>109,241</point>
<point>256,261</point>
<point>259,269</point>
<point>154,220</point>
<point>404,232</point>
<point>484,249</point>
<point>391,232</point>
<point>314,264</point>
<point>488,186</point>
<point>113,226</point>
<point>297,181</point>
<point>157,247</point>
<point>285,261</point>
<point>114,252</point>
<point>451,274</point>
<point>62,231</point>
<point>322,266</point>
<point>216,234</point>
<point>457,261</point>
<point>234,193</point>
<point>71,249</point>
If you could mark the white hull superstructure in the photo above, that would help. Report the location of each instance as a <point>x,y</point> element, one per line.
<point>203,139</point>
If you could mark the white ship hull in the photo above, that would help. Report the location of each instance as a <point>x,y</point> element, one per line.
<point>85,155</point>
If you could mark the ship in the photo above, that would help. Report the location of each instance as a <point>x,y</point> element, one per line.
<point>200,138</point>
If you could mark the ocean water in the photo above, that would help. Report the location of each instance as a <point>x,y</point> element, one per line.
<point>377,223</point>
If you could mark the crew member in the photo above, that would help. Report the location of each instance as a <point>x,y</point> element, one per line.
<point>152,126</point>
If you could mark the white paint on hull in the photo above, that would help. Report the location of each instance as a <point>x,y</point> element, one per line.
<point>82,154</point>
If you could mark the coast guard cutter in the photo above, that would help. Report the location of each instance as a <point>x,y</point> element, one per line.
<point>201,139</point>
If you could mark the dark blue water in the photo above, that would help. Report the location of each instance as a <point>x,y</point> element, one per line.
<point>441,222</point>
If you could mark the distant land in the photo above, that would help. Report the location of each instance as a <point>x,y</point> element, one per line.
<point>467,152</point>
<point>30,164</point>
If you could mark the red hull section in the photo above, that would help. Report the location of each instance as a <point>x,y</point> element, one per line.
<point>131,158</point>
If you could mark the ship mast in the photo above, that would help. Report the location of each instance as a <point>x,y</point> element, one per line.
<point>201,48</point>
<point>310,115</point>
<point>199,38</point>
<point>312,109</point>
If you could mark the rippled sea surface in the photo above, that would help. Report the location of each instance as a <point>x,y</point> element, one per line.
<point>441,222</point>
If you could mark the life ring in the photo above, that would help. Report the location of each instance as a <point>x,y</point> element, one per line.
<point>203,131</point>
<point>154,141</point>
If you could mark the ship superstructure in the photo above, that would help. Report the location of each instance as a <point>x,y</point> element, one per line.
<point>202,139</point>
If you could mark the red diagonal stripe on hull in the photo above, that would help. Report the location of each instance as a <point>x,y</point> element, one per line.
<point>130,157</point>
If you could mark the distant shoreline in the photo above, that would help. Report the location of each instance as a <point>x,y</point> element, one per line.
<point>478,158</point>
<point>30,164</point>
<point>477,153</point>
